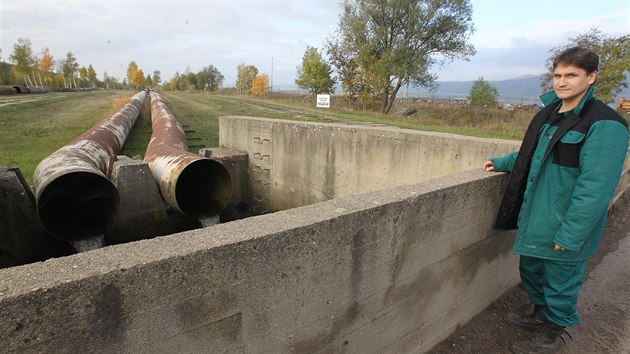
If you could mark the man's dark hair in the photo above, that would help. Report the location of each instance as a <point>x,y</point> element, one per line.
<point>578,56</point>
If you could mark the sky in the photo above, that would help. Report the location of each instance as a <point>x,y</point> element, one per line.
<point>512,37</point>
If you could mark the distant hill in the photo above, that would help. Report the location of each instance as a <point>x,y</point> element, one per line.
<point>525,89</point>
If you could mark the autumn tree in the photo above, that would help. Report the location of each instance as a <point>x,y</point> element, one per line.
<point>260,85</point>
<point>315,75</point>
<point>46,63</point>
<point>172,83</point>
<point>397,41</point>
<point>614,62</point>
<point>132,67</point>
<point>137,79</point>
<point>483,93</point>
<point>245,74</point>
<point>209,78</point>
<point>23,60</point>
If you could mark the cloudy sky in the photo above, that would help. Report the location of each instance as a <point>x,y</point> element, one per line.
<point>512,37</point>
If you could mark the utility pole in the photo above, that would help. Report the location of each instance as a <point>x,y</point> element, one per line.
<point>271,88</point>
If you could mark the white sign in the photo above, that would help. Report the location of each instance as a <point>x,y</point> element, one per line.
<point>323,101</point>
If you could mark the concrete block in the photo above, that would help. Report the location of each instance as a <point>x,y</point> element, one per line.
<point>23,239</point>
<point>236,162</point>
<point>142,213</point>
<point>300,163</point>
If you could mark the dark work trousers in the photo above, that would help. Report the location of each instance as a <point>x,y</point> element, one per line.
<point>555,285</point>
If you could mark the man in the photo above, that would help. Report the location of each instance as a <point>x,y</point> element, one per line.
<point>561,182</point>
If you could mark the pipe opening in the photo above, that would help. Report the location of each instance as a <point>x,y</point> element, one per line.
<point>77,206</point>
<point>204,188</point>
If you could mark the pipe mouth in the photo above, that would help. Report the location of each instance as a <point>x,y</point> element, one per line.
<point>77,205</point>
<point>204,189</point>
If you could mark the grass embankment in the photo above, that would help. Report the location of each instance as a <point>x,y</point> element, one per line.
<point>30,131</point>
<point>456,119</point>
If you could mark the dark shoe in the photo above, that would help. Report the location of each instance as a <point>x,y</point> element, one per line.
<point>531,322</point>
<point>546,340</point>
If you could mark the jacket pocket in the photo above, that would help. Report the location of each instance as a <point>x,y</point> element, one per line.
<point>567,151</point>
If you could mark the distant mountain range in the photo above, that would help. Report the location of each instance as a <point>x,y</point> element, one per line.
<point>524,89</point>
<point>521,90</point>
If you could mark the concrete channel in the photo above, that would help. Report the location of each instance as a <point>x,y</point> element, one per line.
<point>359,239</point>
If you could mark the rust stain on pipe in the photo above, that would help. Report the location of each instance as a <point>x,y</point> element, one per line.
<point>75,198</point>
<point>196,186</point>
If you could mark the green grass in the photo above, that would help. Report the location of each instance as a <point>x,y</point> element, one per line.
<point>30,131</point>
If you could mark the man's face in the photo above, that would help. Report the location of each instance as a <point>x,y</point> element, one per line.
<point>571,82</point>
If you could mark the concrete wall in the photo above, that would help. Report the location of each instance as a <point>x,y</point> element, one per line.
<point>299,163</point>
<point>388,271</point>
<point>373,270</point>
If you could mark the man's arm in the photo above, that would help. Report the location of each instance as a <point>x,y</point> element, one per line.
<point>501,164</point>
<point>601,162</point>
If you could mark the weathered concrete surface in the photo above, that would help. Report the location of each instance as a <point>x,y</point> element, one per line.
<point>388,271</point>
<point>236,163</point>
<point>142,212</point>
<point>23,238</point>
<point>300,163</point>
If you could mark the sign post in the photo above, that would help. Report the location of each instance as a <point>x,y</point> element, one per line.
<point>323,101</point>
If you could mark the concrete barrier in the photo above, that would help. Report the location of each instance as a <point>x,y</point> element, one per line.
<point>390,264</point>
<point>299,163</point>
<point>394,270</point>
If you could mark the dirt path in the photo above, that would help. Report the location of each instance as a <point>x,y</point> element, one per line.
<point>604,304</point>
<point>10,101</point>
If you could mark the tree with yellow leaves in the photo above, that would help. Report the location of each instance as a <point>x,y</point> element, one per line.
<point>137,79</point>
<point>46,64</point>
<point>260,85</point>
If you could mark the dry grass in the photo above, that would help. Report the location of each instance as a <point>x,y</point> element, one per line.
<point>451,118</point>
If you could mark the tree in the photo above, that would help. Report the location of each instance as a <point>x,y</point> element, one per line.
<point>314,74</point>
<point>399,40</point>
<point>23,60</point>
<point>157,78</point>
<point>260,85</point>
<point>132,67</point>
<point>46,63</point>
<point>188,82</point>
<point>209,78</point>
<point>6,74</point>
<point>110,82</point>
<point>614,62</point>
<point>83,75</point>
<point>148,81</point>
<point>137,79</point>
<point>483,93</point>
<point>91,75</point>
<point>245,74</point>
<point>69,68</point>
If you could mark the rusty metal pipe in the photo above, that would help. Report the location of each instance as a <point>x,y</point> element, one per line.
<point>196,186</point>
<point>75,198</point>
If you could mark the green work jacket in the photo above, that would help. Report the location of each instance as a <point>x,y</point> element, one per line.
<point>570,181</point>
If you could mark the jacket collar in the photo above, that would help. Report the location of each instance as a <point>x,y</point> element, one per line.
<point>550,98</point>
